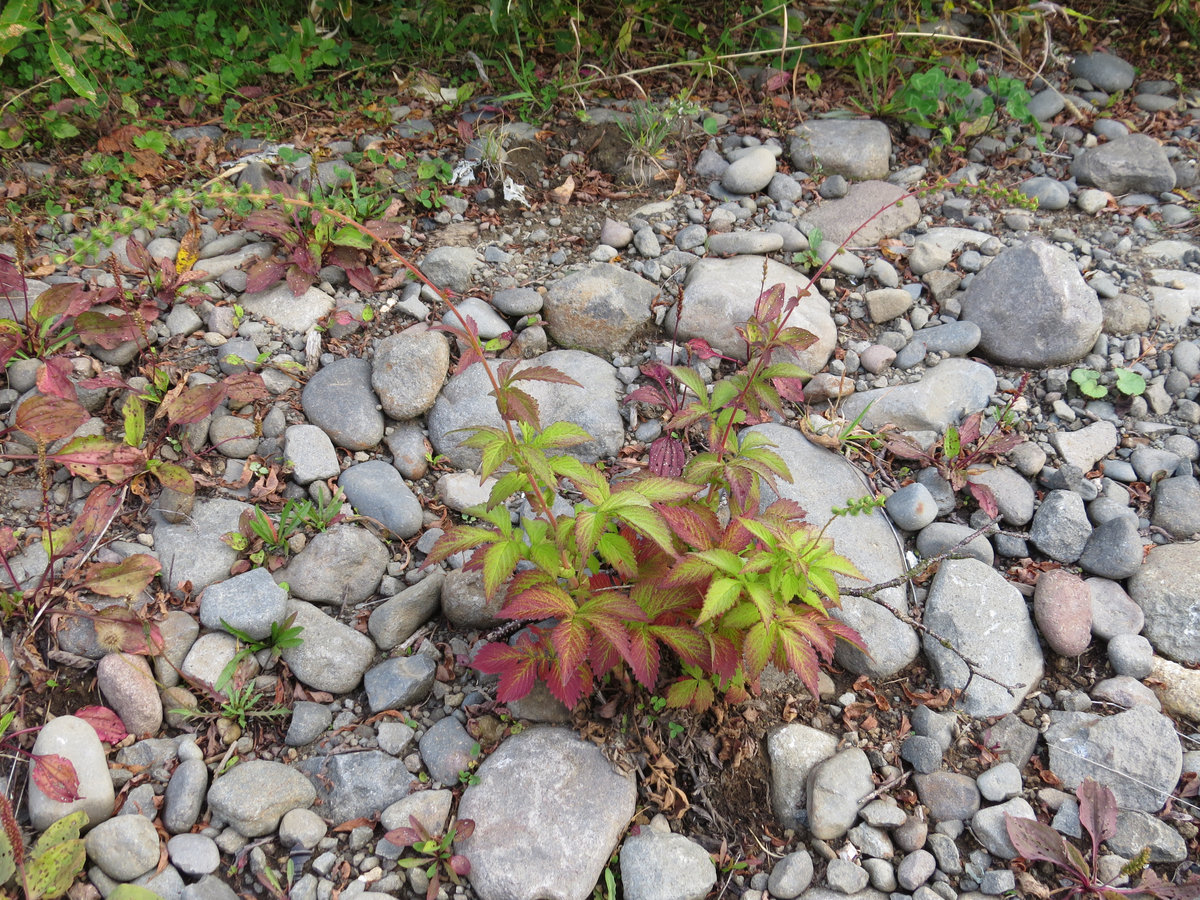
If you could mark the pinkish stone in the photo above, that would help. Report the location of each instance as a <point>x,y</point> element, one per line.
<point>1062,608</point>
<point>127,684</point>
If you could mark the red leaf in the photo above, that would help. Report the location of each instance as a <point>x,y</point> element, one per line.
<point>264,274</point>
<point>53,378</point>
<point>544,373</point>
<point>245,387</point>
<point>985,498</point>
<point>1036,841</point>
<point>463,829</point>
<point>1097,812</point>
<point>109,331</point>
<point>60,300</point>
<point>542,601</point>
<point>518,666</point>
<point>99,459</point>
<point>460,865</point>
<point>55,777</point>
<point>667,457</point>
<point>185,405</point>
<point>108,724</point>
<point>789,389</point>
<point>298,280</point>
<point>47,419</point>
<point>703,349</point>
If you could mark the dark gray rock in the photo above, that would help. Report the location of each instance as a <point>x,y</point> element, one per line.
<point>557,840</point>
<point>311,454</point>
<point>408,371</point>
<point>340,401</point>
<point>339,566</point>
<point>333,656</point>
<point>854,148</point>
<point>251,602</point>
<point>399,682</point>
<point>353,785</point>
<point>464,403</point>
<point>948,796</point>
<point>1033,308</point>
<point>658,866</point>
<point>1167,588</point>
<point>980,613</point>
<point>1104,70</point>
<point>194,550</point>
<point>1136,753</point>
<point>254,795</point>
<point>1060,526</point>
<point>377,490</point>
<point>394,620</point>
<point>1136,162</point>
<point>1177,506</point>
<point>1114,549</point>
<point>447,750</point>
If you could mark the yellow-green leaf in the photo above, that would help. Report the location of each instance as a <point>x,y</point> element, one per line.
<point>76,80</point>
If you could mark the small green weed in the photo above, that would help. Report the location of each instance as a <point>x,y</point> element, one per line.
<point>1127,381</point>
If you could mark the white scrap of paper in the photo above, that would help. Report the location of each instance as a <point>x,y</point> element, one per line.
<point>464,171</point>
<point>514,191</point>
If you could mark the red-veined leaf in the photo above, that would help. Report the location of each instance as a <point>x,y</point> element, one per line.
<point>499,561</point>
<point>544,373</point>
<point>1097,812</point>
<point>264,274</point>
<point>55,777</point>
<point>694,523</point>
<point>128,578</point>
<point>543,601</point>
<point>514,403</point>
<point>518,666</point>
<point>245,387</point>
<point>644,655</point>
<point>688,644</point>
<point>1036,841</point>
<point>618,553</point>
<point>47,418</point>
<point>569,639</point>
<point>186,404</point>
<point>54,378</point>
<point>703,349</point>
<point>568,685</point>
<point>107,724</point>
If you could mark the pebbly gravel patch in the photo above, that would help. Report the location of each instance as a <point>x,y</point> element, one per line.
<point>937,311</point>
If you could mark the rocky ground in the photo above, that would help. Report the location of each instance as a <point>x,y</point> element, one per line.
<point>1083,608</point>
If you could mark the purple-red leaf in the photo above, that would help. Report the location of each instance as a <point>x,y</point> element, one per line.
<point>1037,842</point>
<point>55,777</point>
<point>47,418</point>
<point>460,865</point>
<point>54,378</point>
<point>106,723</point>
<point>264,274</point>
<point>463,829</point>
<point>666,457</point>
<point>1097,812</point>
<point>986,499</point>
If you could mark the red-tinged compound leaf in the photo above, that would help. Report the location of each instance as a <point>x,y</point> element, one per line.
<point>667,457</point>
<point>658,489</point>
<point>515,404</point>
<point>1097,812</point>
<point>543,601</point>
<point>644,655</point>
<point>499,561</point>
<point>1037,842</point>
<point>54,378</point>
<point>519,667</point>
<point>688,644</point>
<point>245,387</point>
<point>55,777</point>
<point>757,648</point>
<point>187,404</point>
<point>569,639</point>
<point>722,593</point>
<point>264,274</point>
<point>47,419</point>
<point>693,523</point>
<point>128,578</point>
<point>648,394</point>
<point>569,686</point>
<point>618,553</point>
<point>106,723</point>
<point>544,373</point>
<point>986,499</point>
<point>725,658</point>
